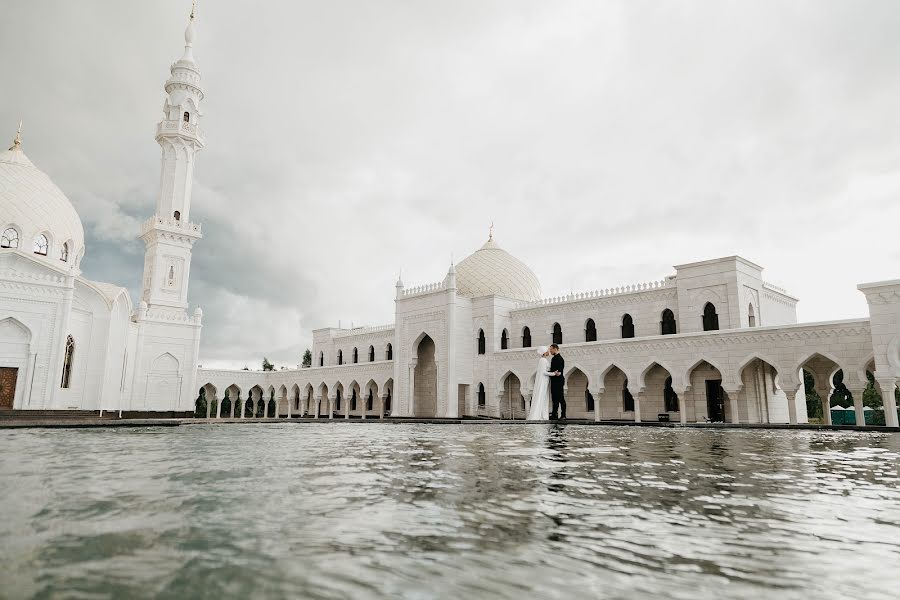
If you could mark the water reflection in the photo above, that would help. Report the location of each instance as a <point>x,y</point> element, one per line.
<point>419,511</point>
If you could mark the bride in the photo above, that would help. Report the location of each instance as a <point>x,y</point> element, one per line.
<point>540,399</point>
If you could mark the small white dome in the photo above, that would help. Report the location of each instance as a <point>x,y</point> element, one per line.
<point>492,271</point>
<point>32,205</point>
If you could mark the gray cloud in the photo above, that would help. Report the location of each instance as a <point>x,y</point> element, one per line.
<point>607,141</point>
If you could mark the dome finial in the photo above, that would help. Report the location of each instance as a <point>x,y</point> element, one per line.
<point>491,231</point>
<point>17,142</point>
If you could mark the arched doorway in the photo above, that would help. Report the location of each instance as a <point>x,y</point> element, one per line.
<point>512,402</point>
<point>579,401</point>
<point>425,390</point>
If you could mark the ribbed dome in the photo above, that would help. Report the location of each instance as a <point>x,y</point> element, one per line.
<point>33,205</point>
<point>492,271</point>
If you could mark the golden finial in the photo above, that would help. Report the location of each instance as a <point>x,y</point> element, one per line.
<point>193,8</point>
<point>18,141</point>
<point>491,232</point>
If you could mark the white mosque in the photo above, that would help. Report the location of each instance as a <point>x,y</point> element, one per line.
<point>712,341</point>
<point>70,343</point>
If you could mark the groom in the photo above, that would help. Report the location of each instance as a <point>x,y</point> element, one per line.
<point>557,383</point>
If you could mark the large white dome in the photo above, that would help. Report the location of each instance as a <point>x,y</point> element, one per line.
<point>492,271</point>
<point>32,205</point>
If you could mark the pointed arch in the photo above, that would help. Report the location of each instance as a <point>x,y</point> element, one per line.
<point>642,378</point>
<point>482,342</point>
<point>605,371</point>
<point>526,337</point>
<point>686,374</point>
<point>627,326</point>
<point>371,353</point>
<point>667,323</point>
<point>11,237</point>
<point>743,363</point>
<point>587,374</point>
<point>590,331</point>
<point>710,318</point>
<point>165,363</point>
<point>389,352</point>
<point>557,334</point>
<point>504,339</point>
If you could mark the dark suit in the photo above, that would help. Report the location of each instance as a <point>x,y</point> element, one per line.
<point>557,385</point>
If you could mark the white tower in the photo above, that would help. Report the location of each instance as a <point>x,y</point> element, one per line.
<point>169,234</point>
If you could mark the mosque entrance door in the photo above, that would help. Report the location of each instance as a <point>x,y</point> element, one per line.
<point>715,400</point>
<point>8,377</point>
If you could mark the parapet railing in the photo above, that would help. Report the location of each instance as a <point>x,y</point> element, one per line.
<point>363,330</point>
<point>169,222</point>
<point>427,288</point>
<point>775,288</point>
<point>604,293</point>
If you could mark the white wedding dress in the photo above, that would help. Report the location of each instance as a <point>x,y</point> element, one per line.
<point>540,399</point>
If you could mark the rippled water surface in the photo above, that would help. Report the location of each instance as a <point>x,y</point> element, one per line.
<point>427,511</point>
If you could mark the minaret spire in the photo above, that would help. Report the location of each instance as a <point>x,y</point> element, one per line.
<point>170,233</point>
<point>189,35</point>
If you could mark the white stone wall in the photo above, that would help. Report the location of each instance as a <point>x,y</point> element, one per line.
<point>645,308</point>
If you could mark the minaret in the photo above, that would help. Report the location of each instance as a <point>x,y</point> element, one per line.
<point>169,234</point>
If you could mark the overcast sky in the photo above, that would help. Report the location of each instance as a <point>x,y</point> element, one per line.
<point>607,141</point>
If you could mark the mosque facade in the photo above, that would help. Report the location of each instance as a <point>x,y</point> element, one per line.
<point>67,342</point>
<point>712,341</point>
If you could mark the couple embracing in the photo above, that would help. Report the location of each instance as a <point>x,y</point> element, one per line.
<point>548,383</point>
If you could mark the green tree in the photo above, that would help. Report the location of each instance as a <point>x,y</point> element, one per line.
<point>307,359</point>
<point>267,366</point>
<point>813,402</point>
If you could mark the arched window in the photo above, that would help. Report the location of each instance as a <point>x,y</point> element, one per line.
<point>590,331</point>
<point>177,215</point>
<point>10,238</point>
<point>504,340</point>
<point>68,359</point>
<point>64,252</point>
<point>340,357</point>
<point>41,244</point>
<point>627,398</point>
<point>187,117</point>
<point>667,326</point>
<point>171,278</point>
<point>481,342</point>
<point>557,333</point>
<point>371,353</point>
<point>526,337</point>
<point>627,327</point>
<point>481,396</point>
<point>710,318</point>
<point>321,359</point>
<point>670,398</point>
<point>389,353</point>
<point>751,315</point>
<point>355,356</point>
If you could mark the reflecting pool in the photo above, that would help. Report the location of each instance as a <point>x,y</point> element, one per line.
<point>448,511</point>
